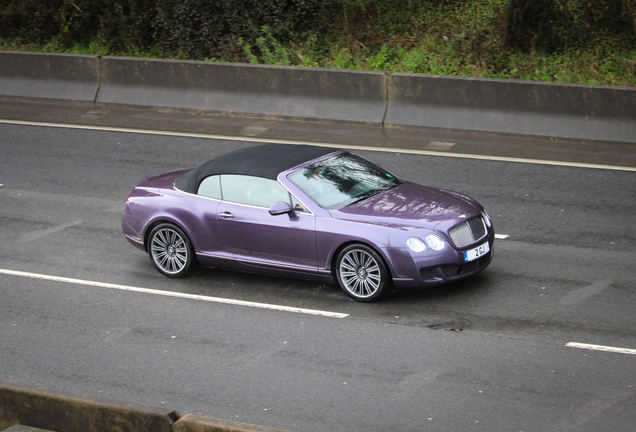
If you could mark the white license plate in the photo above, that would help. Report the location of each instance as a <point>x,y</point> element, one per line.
<point>476,252</point>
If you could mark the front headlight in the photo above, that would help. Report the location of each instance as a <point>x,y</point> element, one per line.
<point>415,244</point>
<point>486,218</point>
<point>435,242</point>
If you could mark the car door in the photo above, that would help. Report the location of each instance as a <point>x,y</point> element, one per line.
<point>207,235</point>
<point>255,236</point>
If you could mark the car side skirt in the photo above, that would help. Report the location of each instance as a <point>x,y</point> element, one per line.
<point>263,267</point>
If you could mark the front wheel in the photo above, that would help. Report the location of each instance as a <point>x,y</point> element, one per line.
<point>170,250</point>
<point>361,273</point>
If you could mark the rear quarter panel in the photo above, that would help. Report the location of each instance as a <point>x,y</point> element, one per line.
<point>149,206</point>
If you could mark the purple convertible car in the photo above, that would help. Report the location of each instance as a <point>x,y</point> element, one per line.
<point>312,212</point>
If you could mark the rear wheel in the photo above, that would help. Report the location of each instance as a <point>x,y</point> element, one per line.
<point>361,273</point>
<point>170,250</point>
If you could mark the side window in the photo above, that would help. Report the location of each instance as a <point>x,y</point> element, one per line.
<point>252,190</point>
<point>210,187</point>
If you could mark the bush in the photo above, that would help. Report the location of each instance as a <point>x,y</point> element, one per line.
<point>553,25</point>
<point>113,23</point>
<point>591,41</point>
<point>189,28</point>
<point>32,20</point>
<point>216,28</point>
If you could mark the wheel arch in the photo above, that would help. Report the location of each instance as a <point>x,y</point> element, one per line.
<point>164,219</point>
<point>336,254</point>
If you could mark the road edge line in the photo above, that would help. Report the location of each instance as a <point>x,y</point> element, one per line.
<point>328,145</point>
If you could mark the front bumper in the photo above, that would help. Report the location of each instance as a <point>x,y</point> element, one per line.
<point>411,270</point>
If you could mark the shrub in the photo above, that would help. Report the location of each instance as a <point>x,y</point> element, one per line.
<point>553,25</point>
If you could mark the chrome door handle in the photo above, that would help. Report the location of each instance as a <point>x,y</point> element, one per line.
<point>226,215</point>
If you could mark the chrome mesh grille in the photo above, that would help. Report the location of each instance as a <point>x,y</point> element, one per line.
<point>468,232</point>
<point>478,227</point>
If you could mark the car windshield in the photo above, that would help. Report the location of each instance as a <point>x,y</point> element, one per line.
<point>342,180</point>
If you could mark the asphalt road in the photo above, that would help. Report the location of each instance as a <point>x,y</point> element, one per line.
<point>485,354</point>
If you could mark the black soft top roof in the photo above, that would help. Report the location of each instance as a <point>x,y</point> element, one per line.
<point>266,161</point>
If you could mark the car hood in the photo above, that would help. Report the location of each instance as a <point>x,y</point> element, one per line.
<point>412,205</point>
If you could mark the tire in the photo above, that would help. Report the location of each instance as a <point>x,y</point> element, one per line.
<point>170,250</point>
<point>361,273</point>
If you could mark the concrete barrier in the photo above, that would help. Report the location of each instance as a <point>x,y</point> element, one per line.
<point>26,406</point>
<point>512,106</point>
<point>585,112</point>
<point>49,76</point>
<point>277,91</point>
<point>197,423</point>
<point>66,412</point>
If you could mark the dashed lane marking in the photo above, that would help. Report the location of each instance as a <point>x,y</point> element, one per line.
<point>253,130</point>
<point>601,348</point>
<point>174,294</point>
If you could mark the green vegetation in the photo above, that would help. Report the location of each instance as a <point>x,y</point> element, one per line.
<point>581,41</point>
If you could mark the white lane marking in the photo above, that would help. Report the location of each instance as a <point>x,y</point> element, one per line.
<point>501,236</point>
<point>174,294</point>
<point>437,145</point>
<point>328,145</point>
<point>601,348</point>
<point>253,130</point>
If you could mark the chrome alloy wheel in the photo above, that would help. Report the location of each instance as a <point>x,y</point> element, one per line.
<point>360,273</point>
<point>169,250</point>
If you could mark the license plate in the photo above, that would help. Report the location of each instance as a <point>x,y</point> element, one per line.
<point>474,253</point>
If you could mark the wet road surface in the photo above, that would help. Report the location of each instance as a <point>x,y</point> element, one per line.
<point>488,353</point>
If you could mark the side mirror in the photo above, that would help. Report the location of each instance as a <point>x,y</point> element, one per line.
<point>281,207</point>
